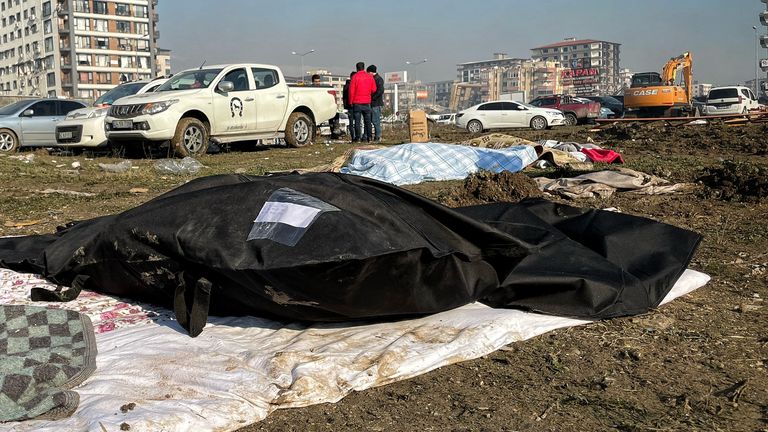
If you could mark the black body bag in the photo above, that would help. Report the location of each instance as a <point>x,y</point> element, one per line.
<point>334,247</point>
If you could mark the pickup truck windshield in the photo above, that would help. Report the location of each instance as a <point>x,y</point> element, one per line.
<point>116,93</point>
<point>190,80</point>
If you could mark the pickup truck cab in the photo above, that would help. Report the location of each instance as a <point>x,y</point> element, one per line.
<point>85,127</point>
<point>574,110</point>
<point>225,103</point>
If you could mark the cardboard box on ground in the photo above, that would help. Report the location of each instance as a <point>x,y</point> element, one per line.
<point>417,126</point>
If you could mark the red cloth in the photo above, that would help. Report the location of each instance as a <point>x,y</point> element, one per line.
<point>361,88</point>
<point>603,155</point>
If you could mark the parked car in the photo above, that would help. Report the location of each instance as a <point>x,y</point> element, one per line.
<point>616,106</point>
<point>443,119</point>
<point>507,114</point>
<point>340,128</point>
<point>605,113</point>
<point>224,104</point>
<point>85,127</point>
<point>32,122</point>
<point>573,110</point>
<point>730,100</point>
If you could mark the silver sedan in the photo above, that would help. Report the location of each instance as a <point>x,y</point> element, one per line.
<point>32,122</point>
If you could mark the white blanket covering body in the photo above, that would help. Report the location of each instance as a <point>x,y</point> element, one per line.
<point>240,369</point>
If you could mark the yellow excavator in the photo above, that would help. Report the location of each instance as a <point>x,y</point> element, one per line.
<point>656,95</point>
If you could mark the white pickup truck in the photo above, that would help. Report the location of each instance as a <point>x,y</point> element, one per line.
<point>224,104</point>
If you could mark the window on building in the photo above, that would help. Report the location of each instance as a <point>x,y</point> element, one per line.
<point>82,6</point>
<point>100,7</point>
<point>48,44</point>
<point>102,60</point>
<point>141,28</point>
<point>101,25</point>
<point>46,9</point>
<point>126,61</point>
<point>82,41</point>
<point>140,11</point>
<point>85,94</point>
<point>123,26</point>
<point>82,24</point>
<point>83,59</point>
<point>122,9</point>
<point>48,62</point>
<point>102,43</point>
<point>85,77</point>
<point>104,78</point>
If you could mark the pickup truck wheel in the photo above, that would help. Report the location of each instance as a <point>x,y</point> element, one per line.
<point>474,126</point>
<point>191,138</point>
<point>570,119</point>
<point>9,142</point>
<point>300,130</point>
<point>538,123</point>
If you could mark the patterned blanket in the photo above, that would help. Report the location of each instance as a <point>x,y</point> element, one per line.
<point>43,353</point>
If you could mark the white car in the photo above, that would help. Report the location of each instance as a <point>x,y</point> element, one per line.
<point>444,119</point>
<point>507,114</point>
<point>730,100</point>
<point>85,127</point>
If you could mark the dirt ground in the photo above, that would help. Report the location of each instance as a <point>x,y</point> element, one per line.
<point>697,364</point>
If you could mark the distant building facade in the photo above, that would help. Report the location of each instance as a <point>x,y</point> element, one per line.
<point>504,77</point>
<point>75,48</point>
<point>163,62</point>
<point>701,89</point>
<point>590,67</point>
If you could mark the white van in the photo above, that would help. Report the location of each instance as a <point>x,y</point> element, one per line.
<point>730,100</point>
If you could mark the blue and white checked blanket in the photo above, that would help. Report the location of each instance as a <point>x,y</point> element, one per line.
<point>416,163</point>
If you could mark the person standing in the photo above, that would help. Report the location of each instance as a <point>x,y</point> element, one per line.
<point>348,107</point>
<point>361,87</point>
<point>377,102</point>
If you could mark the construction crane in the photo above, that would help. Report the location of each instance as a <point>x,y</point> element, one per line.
<point>656,95</point>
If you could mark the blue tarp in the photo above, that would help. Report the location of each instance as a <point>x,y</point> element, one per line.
<point>416,163</point>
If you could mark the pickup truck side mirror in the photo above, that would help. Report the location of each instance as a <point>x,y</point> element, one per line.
<point>226,86</point>
<point>28,113</point>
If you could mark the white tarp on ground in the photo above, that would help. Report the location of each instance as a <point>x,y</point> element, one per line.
<point>415,163</point>
<point>240,369</point>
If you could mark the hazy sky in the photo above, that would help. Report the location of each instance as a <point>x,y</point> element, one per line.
<point>388,33</point>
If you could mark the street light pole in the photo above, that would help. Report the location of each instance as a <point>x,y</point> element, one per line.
<point>410,63</point>
<point>301,56</point>
<point>757,60</point>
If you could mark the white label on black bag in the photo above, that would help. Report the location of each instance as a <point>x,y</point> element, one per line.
<point>286,216</point>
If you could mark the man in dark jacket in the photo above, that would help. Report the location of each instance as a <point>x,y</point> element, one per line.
<point>348,107</point>
<point>361,87</point>
<point>377,102</point>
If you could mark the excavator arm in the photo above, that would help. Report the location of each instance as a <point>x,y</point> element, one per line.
<point>684,61</point>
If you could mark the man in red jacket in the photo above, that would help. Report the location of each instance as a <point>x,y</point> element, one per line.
<point>361,88</point>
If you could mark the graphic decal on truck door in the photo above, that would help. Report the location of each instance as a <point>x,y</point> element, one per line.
<point>236,107</point>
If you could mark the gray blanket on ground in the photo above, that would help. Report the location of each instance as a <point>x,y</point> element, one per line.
<point>43,354</point>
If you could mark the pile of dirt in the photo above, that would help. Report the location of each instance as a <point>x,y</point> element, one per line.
<point>736,181</point>
<point>486,187</point>
<point>711,138</point>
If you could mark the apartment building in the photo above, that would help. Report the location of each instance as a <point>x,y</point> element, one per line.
<point>163,62</point>
<point>472,72</point>
<point>75,48</point>
<point>591,67</point>
<point>701,89</point>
